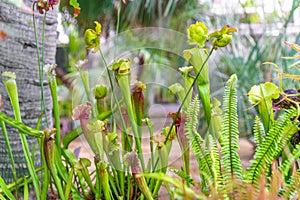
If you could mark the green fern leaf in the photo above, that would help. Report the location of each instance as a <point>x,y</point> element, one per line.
<point>183,175</point>
<point>293,186</point>
<point>259,132</point>
<point>277,137</point>
<point>216,164</point>
<point>286,166</point>
<point>192,118</point>
<point>230,160</point>
<point>202,155</point>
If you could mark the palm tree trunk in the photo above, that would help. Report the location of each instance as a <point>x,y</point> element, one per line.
<point>18,54</point>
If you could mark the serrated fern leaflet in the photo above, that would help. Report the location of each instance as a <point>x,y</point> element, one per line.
<point>277,137</point>
<point>230,160</point>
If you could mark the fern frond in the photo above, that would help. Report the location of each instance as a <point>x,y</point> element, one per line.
<point>286,166</point>
<point>183,175</point>
<point>192,118</point>
<point>277,137</point>
<point>259,132</point>
<point>293,186</point>
<point>216,164</point>
<point>230,160</point>
<point>202,155</point>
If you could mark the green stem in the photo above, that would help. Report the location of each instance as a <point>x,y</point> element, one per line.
<point>185,98</point>
<point>187,94</point>
<point>128,184</point>
<point>98,182</point>
<point>20,181</point>
<point>20,126</point>
<point>105,180</point>
<point>163,154</point>
<point>46,178</point>
<point>69,184</point>
<point>118,19</point>
<point>117,26</point>
<point>114,159</point>
<point>116,100</point>
<point>125,90</point>
<point>6,191</point>
<point>150,125</point>
<point>121,116</point>
<point>85,80</point>
<point>12,91</point>
<point>10,154</point>
<point>46,182</point>
<point>114,177</point>
<point>40,67</point>
<point>42,71</point>
<point>53,89</point>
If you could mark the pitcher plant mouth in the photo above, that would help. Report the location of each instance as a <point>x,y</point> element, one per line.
<point>82,111</point>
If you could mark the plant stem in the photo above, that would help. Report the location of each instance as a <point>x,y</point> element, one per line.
<point>42,70</point>
<point>41,67</point>
<point>10,154</point>
<point>128,184</point>
<point>118,19</point>
<point>12,91</point>
<point>121,116</point>
<point>46,178</point>
<point>85,80</point>
<point>125,90</point>
<point>150,126</point>
<point>104,177</point>
<point>20,181</point>
<point>53,90</point>
<point>20,126</point>
<point>186,96</point>
<point>5,189</point>
<point>116,100</point>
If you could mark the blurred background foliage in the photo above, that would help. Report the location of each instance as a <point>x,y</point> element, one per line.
<point>141,13</point>
<point>263,27</point>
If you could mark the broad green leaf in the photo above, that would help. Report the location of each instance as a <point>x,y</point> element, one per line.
<point>263,91</point>
<point>262,96</point>
<point>198,58</point>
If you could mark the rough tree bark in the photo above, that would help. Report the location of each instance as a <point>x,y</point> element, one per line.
<point>18,54</point>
